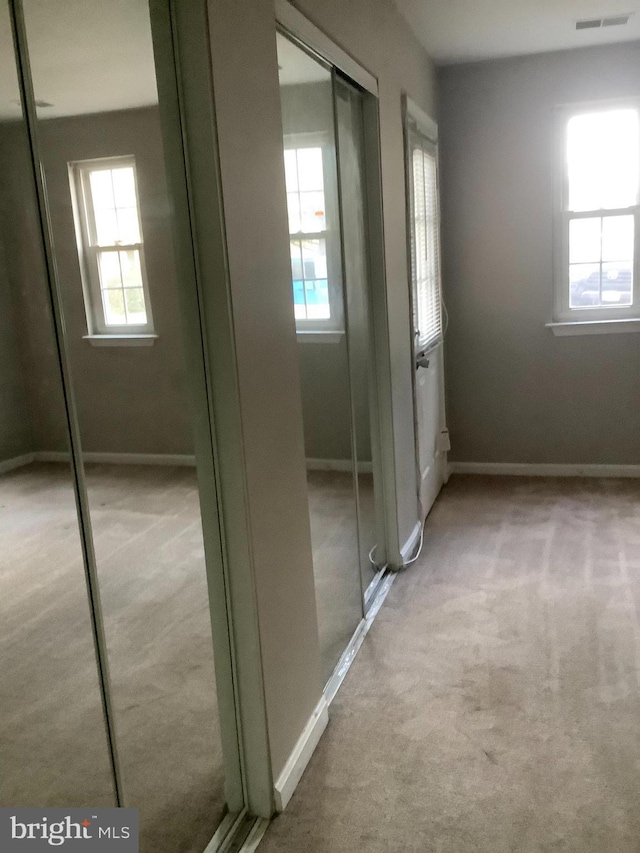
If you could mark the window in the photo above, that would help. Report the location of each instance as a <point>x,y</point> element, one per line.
<point>110,246</point>
<point>314,266</point>
<point>425,239</point>
<point>596,260</point>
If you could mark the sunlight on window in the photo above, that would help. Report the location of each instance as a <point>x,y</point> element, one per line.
<point>602,160</point>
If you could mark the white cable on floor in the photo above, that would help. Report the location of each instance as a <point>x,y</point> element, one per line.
<point>419,551</point>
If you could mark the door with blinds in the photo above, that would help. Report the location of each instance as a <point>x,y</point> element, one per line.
<point>427,307</point>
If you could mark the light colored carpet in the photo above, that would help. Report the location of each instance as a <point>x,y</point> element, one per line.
<point>148,544</point>
<point>495,704</point>
<point>150,560</point>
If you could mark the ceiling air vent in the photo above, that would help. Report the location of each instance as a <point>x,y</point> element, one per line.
<point>596,23</point>
<point>615,21</point>
<point>589,25</point>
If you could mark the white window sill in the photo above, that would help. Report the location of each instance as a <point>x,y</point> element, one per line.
<point>309,337</point>
<point>594,327</point>
<point>120,340</point>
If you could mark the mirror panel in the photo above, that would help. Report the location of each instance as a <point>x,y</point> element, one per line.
<point>350,134</point>
<point>100,144</point>
<point>319,307</point>
<point>53,741</point>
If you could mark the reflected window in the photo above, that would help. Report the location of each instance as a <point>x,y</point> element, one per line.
<point>599,216</point>
<point>314,288</point>
<point>110,246</point>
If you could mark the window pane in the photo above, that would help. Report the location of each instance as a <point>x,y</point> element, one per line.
<point>130,265</point>
<point>584,240</point>
<point>616,284</point>
<point>293,207</point>
<point>113,301</point>
<point>106,227</point>
<point>101,189</point>
<point>310,173</point>
<point>299,305</point>
<point>109,270</point>
<point>584,281</point>
<point>124,187</point>
<point>617,238</point>
<point>290,170</point>
<point>312,212</point>
<point>128,228</point>
<point>136,313</point>
<point>317,293</point>
<point>602,159</point>
<point>314,259</point>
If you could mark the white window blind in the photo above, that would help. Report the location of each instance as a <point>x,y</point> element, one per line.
<point>425,240</point>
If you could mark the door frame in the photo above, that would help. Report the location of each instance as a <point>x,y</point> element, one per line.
<point>412,112</point>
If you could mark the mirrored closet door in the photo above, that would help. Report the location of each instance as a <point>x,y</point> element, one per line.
<point>54,744</point>
<point>322,116</point>
<point>108,650</point>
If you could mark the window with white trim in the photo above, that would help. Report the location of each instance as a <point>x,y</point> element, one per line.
<point>314,245</point>
<point>596,276</point>
<point>425,239</point>
<point>110,246</point>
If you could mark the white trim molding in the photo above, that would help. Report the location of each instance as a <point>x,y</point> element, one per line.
<point>121,340</point>
<point>300,27</point>
<point>176,459</point>
<point>292,771</point>
<point>544,469</point>
<point>338,465</point>
<point>593,327</point>
<point>16,462</point>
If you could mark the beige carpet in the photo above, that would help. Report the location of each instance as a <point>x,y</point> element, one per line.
<point>495,705</point>
<point>150,559</point>
<point>148,544</point>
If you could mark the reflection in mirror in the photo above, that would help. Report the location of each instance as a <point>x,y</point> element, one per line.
<point>315,243</point>
<point>350,131</point>
<point>100,143</point>
<point>53,742</point>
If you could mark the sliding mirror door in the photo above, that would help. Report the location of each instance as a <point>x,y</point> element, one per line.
<point>350,128</point>
<point>54,745</point>
<point>318,300</point>
<point>323,128</point>
<point>98,134</point>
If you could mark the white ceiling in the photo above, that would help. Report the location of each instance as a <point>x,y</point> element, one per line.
<point>465,30</point>
<point>87,56</point>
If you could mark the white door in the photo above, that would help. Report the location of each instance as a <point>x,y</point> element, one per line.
<point>428,385</point>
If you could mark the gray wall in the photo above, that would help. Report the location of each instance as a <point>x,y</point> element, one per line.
<point>130,399</point>
<point>37,404</point>
<point>15,428</point>
<point>516,393</point>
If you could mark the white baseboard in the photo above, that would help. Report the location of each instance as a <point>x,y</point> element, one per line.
<point>118,458</point>
<point>543,469</point>
<point>16,462</point>
<point>303,750</point>
<point>338,465</point>
<point>408,549</point>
